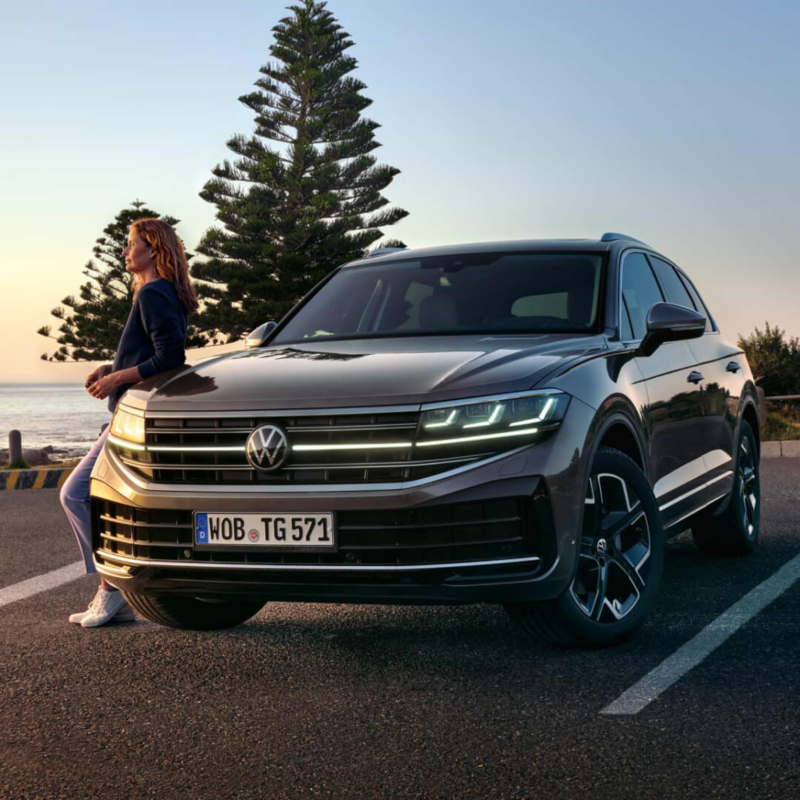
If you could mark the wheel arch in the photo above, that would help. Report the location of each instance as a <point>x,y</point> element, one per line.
<point>750,415</point>
<point>618,425</point>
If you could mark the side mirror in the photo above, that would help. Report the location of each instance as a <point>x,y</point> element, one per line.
<point>257,337</point>
<point>670,323</point>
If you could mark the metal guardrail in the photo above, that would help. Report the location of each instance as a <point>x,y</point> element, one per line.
<point>784,397</point>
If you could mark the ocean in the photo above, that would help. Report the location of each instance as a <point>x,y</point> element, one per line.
<point>59,414</point>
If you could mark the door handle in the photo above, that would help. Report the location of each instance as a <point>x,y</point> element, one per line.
<point>694,376</point>
<point>732,367</point>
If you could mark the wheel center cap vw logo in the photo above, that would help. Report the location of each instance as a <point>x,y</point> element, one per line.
<point>267,447</point>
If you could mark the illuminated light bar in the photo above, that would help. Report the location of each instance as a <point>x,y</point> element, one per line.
<point>485,436</point>
<point>449,421</point>
<point>167,449</point>
<point>365,446</point>
<point>122,443</point>
<point>540,418</point>
<point>498,410</point>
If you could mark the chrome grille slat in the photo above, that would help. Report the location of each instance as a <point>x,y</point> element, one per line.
<point>134,524</point>
<point>288,428</point>
<point>474,533</point>
<point>134,543</point>
<point>349,428</point>
<point>300,467</point>
<point>208,450</point>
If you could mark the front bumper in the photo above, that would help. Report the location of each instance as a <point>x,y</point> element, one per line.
<point>545,480</point>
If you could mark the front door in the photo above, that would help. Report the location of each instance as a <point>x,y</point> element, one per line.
<point>674,415</point>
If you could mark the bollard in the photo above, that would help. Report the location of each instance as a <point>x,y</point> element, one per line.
<point>14,447</point>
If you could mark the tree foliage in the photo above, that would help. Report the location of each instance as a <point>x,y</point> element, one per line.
<point>304,192</point>
<point>774,360</point>
<point>91,324</point>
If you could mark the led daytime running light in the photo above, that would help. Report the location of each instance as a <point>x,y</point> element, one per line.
<point>496,412</point>
<point>460,439</point>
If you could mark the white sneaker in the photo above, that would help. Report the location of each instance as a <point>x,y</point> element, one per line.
<point>106,606</point>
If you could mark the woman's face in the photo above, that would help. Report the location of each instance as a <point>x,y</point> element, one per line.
<point>138,255</point>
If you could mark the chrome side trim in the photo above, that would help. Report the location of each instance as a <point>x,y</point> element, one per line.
<point>682,497</point>
<point>705,505</point>
<point>690,471</point>
<point>145,562</point>
<point>695,491</point>
<point>720,477</point>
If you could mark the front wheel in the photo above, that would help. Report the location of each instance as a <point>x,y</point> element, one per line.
<point>619,566</point>
<point>194,613</point>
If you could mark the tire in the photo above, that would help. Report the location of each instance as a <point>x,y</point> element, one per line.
<point>192,613</point>
<point>619,567</point>
<point>733,530</point>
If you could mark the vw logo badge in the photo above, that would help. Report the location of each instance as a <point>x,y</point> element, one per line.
<point>267,447</point>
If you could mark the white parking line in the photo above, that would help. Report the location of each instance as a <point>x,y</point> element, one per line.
<point>41,583</point>
<point>709,639</point>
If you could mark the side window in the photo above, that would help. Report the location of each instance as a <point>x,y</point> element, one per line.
<point>639,292</point>
<point>698,302</point>
<point>673,286</point>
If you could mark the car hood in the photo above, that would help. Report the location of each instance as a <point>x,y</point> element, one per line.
<point>374,372</point>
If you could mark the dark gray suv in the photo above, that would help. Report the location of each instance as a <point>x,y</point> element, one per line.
<point>519,423</point>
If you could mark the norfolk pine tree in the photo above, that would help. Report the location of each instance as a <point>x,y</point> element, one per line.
<point>90,331</point>
<point>304,194</point>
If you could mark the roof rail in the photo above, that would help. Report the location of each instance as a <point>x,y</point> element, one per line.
<point>381,251</point>
<point>613,237</point>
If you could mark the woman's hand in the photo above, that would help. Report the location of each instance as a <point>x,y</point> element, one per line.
<point>102,387</point>
<point>100,372</point>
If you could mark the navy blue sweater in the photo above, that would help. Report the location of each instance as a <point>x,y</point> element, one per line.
<point>154,335</point>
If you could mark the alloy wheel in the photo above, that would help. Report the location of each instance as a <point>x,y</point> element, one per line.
<point>748,485</point>
<point>614,553</point>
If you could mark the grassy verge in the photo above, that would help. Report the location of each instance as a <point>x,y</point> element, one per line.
<point>780,427</point>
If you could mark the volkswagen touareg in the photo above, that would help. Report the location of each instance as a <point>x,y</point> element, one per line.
<point>521,423</point>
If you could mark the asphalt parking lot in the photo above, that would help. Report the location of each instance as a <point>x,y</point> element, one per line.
<point>370,702</point>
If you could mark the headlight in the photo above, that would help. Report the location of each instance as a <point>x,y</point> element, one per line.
<point>510,416</point>
<point>127,428</point>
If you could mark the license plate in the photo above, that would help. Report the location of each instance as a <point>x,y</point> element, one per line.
<point>285,530</point>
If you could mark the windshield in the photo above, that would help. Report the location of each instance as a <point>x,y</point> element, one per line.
<point>466,293</point>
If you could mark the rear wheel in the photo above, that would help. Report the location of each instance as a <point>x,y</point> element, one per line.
<point>734,530</point>
<point>619,566</point>
<point>194,613</point>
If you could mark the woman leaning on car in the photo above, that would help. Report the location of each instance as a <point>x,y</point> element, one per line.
<point>152,341</point>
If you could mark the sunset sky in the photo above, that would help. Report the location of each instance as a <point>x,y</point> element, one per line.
<point>678,124</point>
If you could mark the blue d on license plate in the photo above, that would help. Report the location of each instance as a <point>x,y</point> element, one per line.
<point>285,530</point>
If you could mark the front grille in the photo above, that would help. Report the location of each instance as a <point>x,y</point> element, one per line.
<point>230,467</point>
<point>485,530</point>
